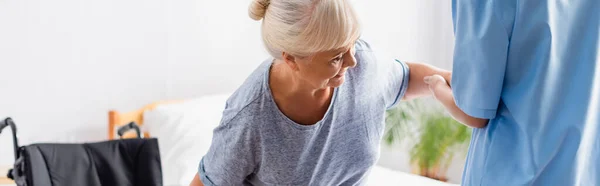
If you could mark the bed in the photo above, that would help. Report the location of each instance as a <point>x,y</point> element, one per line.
<point>184,129</point>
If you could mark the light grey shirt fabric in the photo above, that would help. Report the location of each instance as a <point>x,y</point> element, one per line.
<point>256,144</point>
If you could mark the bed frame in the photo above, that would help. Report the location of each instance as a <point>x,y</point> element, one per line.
<point>117,119</point>
<point>4,180</point>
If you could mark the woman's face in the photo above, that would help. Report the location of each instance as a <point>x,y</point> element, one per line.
<point>324,69</point>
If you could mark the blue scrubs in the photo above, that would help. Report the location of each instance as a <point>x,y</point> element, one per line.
<point>533,68</point>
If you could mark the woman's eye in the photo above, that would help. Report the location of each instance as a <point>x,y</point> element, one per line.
<point>337,60</point>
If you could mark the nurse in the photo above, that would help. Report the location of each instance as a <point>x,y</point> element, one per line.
<point>533,69</point>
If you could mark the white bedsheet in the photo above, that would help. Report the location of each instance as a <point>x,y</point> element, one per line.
<point>381,176</point>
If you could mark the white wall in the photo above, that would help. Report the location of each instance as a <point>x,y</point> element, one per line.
<point>65,63</point>
<point>410,30</point>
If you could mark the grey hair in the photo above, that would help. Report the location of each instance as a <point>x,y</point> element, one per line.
<point>304,27</point>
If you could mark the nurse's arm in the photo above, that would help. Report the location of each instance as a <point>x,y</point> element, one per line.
<point>416,87</point>
<point>443,93</point>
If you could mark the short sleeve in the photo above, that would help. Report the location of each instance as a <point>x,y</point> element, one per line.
<point>231,156</point>
<point>390,76</point>
<point>480,56</point>
<point>395,75</point>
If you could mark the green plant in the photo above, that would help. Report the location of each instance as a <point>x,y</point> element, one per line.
<point>435,137</point>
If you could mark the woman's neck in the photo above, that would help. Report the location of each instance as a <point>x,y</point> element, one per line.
<point>295,98</point>
<point>286,83</point>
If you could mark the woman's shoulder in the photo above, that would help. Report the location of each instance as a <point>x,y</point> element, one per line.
<point>371,64</point>
<point>370,57</point>
<point>251,91</point>
<point>365,58</point>
<point>362,45</point>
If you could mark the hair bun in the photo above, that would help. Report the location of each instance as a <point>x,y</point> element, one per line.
<point>258,8</point>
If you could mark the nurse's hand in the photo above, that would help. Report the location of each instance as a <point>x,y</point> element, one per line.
<point>438,86</point>
<point>441,90</point>
<point>416,87</point>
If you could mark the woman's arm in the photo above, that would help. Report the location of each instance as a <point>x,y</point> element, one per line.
<point>196,181</point>
<point>443,93</point>
<point>416,87</point>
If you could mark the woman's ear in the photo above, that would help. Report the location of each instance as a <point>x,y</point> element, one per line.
<point>290,60</point>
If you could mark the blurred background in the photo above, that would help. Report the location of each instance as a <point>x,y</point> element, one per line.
<point>65,63</point>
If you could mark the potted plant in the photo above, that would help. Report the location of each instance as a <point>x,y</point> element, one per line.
<point>433,135</point>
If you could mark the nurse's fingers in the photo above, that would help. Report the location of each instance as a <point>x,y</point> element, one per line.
<point>435,80</point>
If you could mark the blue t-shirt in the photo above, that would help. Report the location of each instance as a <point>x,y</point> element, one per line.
<point>256,144</point>
<point>533,68</point>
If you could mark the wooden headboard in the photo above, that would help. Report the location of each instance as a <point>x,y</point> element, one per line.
<point>117,119</point>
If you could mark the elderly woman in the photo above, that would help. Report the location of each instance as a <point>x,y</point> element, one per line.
<point>313,113</point>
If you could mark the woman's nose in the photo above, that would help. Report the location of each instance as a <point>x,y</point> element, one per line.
<point>349,60</point>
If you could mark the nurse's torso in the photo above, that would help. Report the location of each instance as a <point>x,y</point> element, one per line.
<point>546,132</point>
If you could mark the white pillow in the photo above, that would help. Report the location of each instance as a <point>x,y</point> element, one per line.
<point>184,132</point>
